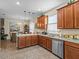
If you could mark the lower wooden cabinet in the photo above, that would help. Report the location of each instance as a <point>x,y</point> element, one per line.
<point>71,51</point>
<point>28,41</point>
<point>45,42</point>
<point>49,44</point>
<point>40,41</point>
<point>21,42</point>
<point>34,40</point>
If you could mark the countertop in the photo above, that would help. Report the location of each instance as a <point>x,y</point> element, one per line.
<point>57,38</point>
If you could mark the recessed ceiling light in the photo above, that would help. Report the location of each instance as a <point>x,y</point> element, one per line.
<point>18,3</point>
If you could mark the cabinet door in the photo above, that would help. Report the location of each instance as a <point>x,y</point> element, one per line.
<point>40,40</point>
<point>34,40</point>
<point>71,52</point>
<point>28,41</point>
<point>76,14</point>
<point>44,39</point>
<point>49,44</point>
<point>60,19</point>
<point>44,22</point>
<point>69,16</point>
<point>67,52</point>
<point>21,42</point>
<point>38,22</point>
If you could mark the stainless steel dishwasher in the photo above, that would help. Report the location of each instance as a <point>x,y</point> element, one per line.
<point>57,47</point>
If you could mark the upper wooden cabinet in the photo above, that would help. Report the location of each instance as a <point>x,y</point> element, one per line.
<point>68,16</point>
<point>60,22</point>
<point>42,22</point>
<point>76,14</point>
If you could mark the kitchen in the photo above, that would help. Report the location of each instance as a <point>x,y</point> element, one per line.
<point>47,34</point>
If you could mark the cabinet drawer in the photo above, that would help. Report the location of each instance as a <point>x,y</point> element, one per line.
<point>49,44</point>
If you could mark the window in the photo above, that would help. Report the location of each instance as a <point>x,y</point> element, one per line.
<point>52,24</point>
<point>32,27</point>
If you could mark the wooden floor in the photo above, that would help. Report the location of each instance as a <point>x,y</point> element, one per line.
<point>6,44</point>
<point>8,51</point>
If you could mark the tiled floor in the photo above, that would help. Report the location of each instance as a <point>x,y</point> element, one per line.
<point>34,52</point>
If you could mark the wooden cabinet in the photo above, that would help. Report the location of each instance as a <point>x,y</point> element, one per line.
<point>65,17</point>
<point>34,40</point>
<point>68,14</point>
<point>45,42</point>
<point>28,41</point>
<point>60,17</point>
<point>21,42</point>
<point>42,22</point>
<point>71,50</point>
<point>40,41</point>
<point>38,22</point>
<point>49,44</point>
<point>76,14</point>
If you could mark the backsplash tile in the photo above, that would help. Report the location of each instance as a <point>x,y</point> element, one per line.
<point>69,31</point>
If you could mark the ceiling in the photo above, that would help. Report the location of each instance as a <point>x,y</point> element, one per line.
<point>33,8</point>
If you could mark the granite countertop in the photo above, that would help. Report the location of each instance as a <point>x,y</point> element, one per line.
<point>19,35</point>
<point>57,38</point>
<point>63,39</point>
<point>69,40</point>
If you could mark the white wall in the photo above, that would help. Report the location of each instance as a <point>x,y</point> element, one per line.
<point>53,11</point>
<point>32,26</point>
<point>6,26</point>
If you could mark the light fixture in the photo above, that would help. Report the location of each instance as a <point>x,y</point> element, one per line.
<point>18,3</point>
